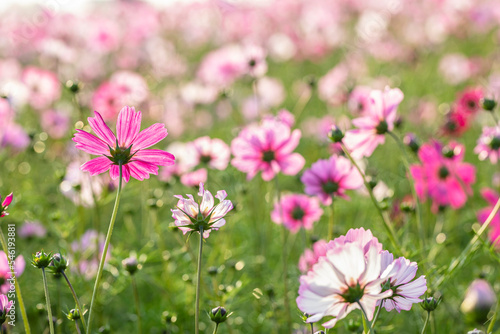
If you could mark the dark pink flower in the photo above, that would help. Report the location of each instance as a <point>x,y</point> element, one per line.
<point>5,204</point>
<point>488,145</point>
<point>296,211</point>
<point>470,100</point>
<point>491,197</point>
<point>332,177</point>
<point>457,121</point>
<point>377,120</point>
<point>268,148</point>
<point>443,176</point>
<point>127,148</point>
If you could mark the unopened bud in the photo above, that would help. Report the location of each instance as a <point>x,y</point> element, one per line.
<point>336,135</point>
<point>488,104</point>
<point>219,315</point>
<point>430,303</point>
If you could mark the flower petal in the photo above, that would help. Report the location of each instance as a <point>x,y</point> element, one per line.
<point>102,130</point>
<point>97,166</point>
<point>149,136</point>
<point>128,126</point>
<point>156,157</point>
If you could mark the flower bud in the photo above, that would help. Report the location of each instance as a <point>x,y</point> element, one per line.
<point>336,135</point>
<point>478,301</point>
<point>488,104</point>
<point>73,86</point>
<point>58,264</point>
<point>430,303</point>
<point>412,142</point>
<point>41,259</point>
<point>219,315</point>
<point>131,265</point>
<point>73,315</point>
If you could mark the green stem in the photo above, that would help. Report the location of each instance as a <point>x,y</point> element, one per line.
<point>215,329</point>
<point>330,221</point>
<point>387,224</point>
<point>105,250</point>
<point>285,262</point>
<point>77,328</point>
<point>18,288</point>
<point>426,322</point>
<point>418,212</point>
<point>494,318</point>
<point>198,277</point>
<point>77,301</point>
<point>366,324</point>
<point>460,261</point>
<point>136,299</point>
<point>47,298</point>
<point>376,314</point>
<point>312,328</point>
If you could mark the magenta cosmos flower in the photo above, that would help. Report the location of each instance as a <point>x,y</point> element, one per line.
<point>329,178</point>
<point>295,211</point>
<point>5,306</point>
<point>491,197</point>
<point>19,264</point>
<point>377,120</point>
<point>5,204</point>
<point>345,279</point>
<point>267,148</point>
<point>127,148</point>
<point>192,217</point>
<point>443,176</point>
<point>488,145</point>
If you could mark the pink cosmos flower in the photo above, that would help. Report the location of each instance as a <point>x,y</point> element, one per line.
<point>378,119</point>
<point>480,297</point>
<point>268,148</point>
<point>359,100</point>
<point>488,145</point>
<point>444,179</point>
<point>32,229</point>
<point>470,100</point>
<point>296,211</point>
<point>44,87</point>
<point>5,204</point>
<point>213,152</point>
<point>491,197</point>
<point>108,98</point>
<point>345,279</point>
<point>457,121</point>
<point>405,292</point>
<point>223,66</point>
<point>192,217</point>
<point>192,179</point>
<point>86,252</point>
<point>127,149</point>
<point>311,257</point>
<point>5,306</point>
<point>55,123</point>
<point>329,178</point>
<point>5,272</point>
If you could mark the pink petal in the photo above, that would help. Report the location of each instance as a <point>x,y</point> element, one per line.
<point>128,126</point>
<point>90,143</point>
<point>156,157</point>
<point>140,170</point>
<point>102,130</point>
<point>150,136</point>
<point>292,164</point>
<point>97,166</point>
<point>7,200</point>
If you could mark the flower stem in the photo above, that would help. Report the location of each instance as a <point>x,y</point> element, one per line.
<point>18,288</point>
<point>105,250</point>
<point>387,224</point>
<point>136,299</point>
<point>312,328</point>
<point>366,324</point>
<point>330,221</point>
<point>47,298</point>
<point>494,319</point>
<point>198,277</point>
<point>418,212</point>
<point>460,261</point>
<point>77,301</point>
<point>77,328</point>
<point>215,329</point>
<point>376,314</point>
<point>426,322</point>
<point>285,262</point>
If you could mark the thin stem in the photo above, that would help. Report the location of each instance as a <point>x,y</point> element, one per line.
<point>312,328</point>
<point>494,318</point>
<point>376,314</point>
<point>105,250</point>
<point>47,298</point>
<point>418,212</point>
<point>367,324</point>
<point>77,328</point>
<point>136,299</point>
<point>285,262</point>
<point>18,288</point>
<point>426,322</point>
<point>387,224</point>
<point>215,329</point>
<point>198,277</point>
<point>77,301</point>
<point>460,261</point>
<point>330,221</point>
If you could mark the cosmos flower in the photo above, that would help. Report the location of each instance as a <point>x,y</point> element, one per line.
<point>32,229</point>
<point>19,264</point>
<point>126,149</point>
<point>5,204</point>
<point>345,279</point>
<point>268,148</point>
<point>376,121</point>
<point>5,306</point>
<point>491,197</point>
<point>470,100</point>
<point>192,217</point>
<point>329,178</point>
<point>210,151</point>
<point>488,144</point>
<point>311,256</point>
<point>295,211</point>
<point>43,86</point>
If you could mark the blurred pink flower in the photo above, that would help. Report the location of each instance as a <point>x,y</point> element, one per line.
<point>311,257</point>
<point>192,179</point>
<point>126,149</point>
<point>332,86</point>
<point>191,217</point>
<point>480,297</point>
<point>32,229</point>
<point>5,305</point>
<point>5,204</point>
<point>209,151</point>
<point>86,252</point>
<point>443,176</point>
<point>15,137</point>
<point>470,100</point>
<point>268,148</point>
<point>329,178</point>
<point>457,121</point>
<point>55,123</point>
<point>223,66</point>
<point>359,100</point>
<point>345,279</point>
<point>491,197</point>
<point>488,144</point>
<point>184,161</point>
<point>378,119</point>
<point>18,266</point>
<point>295,211</point>
<point>108,98</point>
<point>44,87</point>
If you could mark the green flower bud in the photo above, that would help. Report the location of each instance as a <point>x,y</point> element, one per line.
<point>219,315</point>
<point>41,259</point>
<point>336,135</point>
<point>73,315</point>
<point>58,264</point>
<point>131,265</point>
<point>488,104</point>
<point>430,303</point>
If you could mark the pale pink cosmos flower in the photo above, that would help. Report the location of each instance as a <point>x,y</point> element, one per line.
<point>127,149</point>
<point>378,119</point>
<point>44,86</point>
<point>345,279</point>
<point>55,123</point>
<point>488,144</point>
<point>19,264</point>
<point>32,229</point>
<point>295,211</point>
<point>5,204</point>
<point>193,179</point>
<point>212,152</point>
<point>359,100</point>
<point>329,178</point>
<point>443,176</point>
<point>192,217</point>
<point>222,67</point>
<point>184,161</point>
<point>311,256</point>
<point>5,304</point>
<point>400,273</point>
<point>332,86</point>
<point>108,98</point>
<point>268,148</point>
<point>480,297</point>
<point>491,197</point>
<point>85,253</point>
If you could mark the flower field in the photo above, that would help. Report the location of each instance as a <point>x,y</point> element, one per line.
<point>279,166</point>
